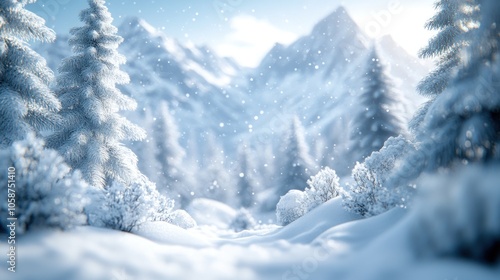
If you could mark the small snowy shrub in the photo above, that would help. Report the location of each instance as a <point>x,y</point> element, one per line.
<point>242,221</point>
<point>459,214</point>
<point>370,194</point>
<point>321,188</point>
<point>125,208</point>
<point>47,193</point>
<point>181,219</point>
<point>291,207</point>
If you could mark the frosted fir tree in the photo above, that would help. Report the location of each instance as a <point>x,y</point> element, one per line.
<point>47,193</point>
<point>460,210</point>
<point>27,105</point>
<point>91,134</point>
<point>217,183</point>
<point>146,150</point>
<point>465,119</point>
<point>463,123</point>
<point>246,181</point>
<point>297,165</point>
<point>379,117</point>
<point>455,21</point>
<point>169,154</point>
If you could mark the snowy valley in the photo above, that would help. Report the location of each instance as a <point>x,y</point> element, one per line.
<point>337,157</point>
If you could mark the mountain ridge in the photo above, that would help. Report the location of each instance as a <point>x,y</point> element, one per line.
<point>317,77</point>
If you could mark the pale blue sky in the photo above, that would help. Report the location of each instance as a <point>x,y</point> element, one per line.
<point>228,26</point>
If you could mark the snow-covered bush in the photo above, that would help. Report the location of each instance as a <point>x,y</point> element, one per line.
<point>291,207</point>
<point>47,193</point>
<point>458,214</point>
<point>242,221</point>
<point>370,194</point>
<point>181,219</point>
<point>125,208</point>
<point>321,188</point>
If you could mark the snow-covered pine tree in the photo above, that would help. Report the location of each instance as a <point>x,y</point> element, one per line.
<point>459,210</point>
<point>217,183</point>
<point>455,20</point>
<point>463,123</point>
<point>27,104</point>
<point>296,166</point>
<point>91,134</point>
<point>169,154</point>
<point>379,117</point>
<point>246,181</point>
<point>146,150</point>
<point>191,189</point>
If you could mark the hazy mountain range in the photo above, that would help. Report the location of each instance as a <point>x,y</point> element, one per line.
<point>318,78</point>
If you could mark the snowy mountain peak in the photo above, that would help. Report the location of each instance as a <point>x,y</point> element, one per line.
<point>133,24</point>
<point>337,22</point>
<point>334,42</point>
<point>138,30</point>
<point>174,60</point>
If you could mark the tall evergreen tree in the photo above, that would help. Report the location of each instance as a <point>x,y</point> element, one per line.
<point>379,118</point>
<point>169,154</point>
<point>463,123</point>
<point>455,20</point>
<point>91,134</point>
<point>246,182</point>
<point>26,102</point>
<point>217,183</point>
<point>146,150</point>
<point>296,165</point>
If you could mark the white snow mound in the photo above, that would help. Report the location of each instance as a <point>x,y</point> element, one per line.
<point>210,212</point>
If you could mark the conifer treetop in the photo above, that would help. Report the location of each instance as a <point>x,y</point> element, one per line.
<point>27,104</point>
<point>17,22</point>
<point>93,129</point>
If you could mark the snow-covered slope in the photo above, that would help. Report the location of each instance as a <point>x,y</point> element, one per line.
<point>210,212</point>
<point>378,248</point>
<point>308,227</point>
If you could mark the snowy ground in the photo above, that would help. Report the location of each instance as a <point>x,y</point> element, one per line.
<point>327,243</point>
